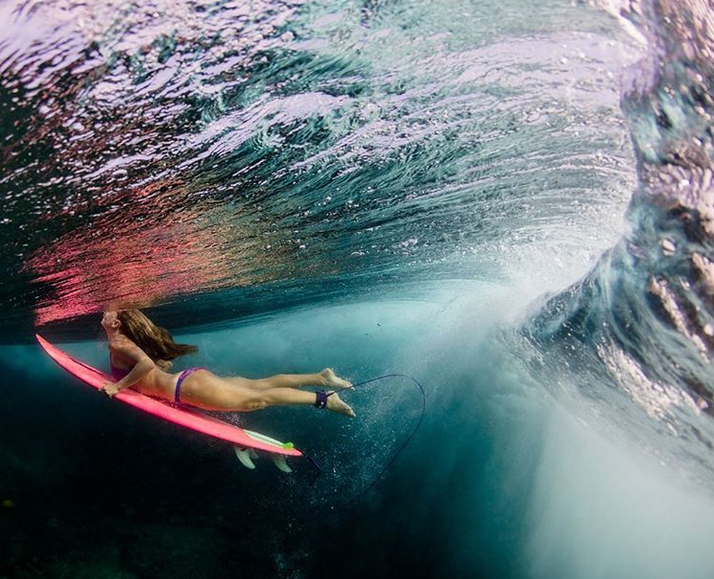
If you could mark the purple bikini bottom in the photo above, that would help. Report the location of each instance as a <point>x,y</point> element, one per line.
<point>185,374</point>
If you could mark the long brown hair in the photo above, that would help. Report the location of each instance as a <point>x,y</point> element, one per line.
<point>157,343</point>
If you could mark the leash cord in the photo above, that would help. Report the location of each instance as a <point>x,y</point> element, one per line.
<point>404,444</point>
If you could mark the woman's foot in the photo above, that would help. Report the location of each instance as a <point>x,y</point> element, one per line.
<point>336,404</point>
<point>330,379</point>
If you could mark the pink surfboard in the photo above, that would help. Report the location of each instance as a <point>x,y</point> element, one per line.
<point>243,440</point>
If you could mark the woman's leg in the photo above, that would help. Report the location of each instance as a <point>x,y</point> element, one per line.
<point>325,378</point>
<point>205,390</point>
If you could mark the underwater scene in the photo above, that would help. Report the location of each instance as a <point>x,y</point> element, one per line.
<point>495,218</point>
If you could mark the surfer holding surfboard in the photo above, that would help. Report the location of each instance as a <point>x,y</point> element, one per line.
<point>141,353</point>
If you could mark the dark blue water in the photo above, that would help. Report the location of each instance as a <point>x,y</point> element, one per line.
<point>510,202</point>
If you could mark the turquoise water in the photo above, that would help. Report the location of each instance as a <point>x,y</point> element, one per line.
<point>509,201</point>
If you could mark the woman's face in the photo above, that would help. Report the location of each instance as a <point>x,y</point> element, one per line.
<point>110,320</point>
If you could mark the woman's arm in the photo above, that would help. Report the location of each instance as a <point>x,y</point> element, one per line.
<point>141,368</point>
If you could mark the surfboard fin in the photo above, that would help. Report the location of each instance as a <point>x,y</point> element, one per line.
<point>279,460</point>
<point>245,455</point>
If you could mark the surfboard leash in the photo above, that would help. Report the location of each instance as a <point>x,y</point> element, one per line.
<point>316,465</point>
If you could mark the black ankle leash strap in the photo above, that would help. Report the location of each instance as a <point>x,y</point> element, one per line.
<point>321,398</point>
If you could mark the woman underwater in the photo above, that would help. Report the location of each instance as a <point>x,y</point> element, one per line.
<point>140,353</point>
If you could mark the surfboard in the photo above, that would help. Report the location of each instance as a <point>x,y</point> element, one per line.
<point>245,442</point>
